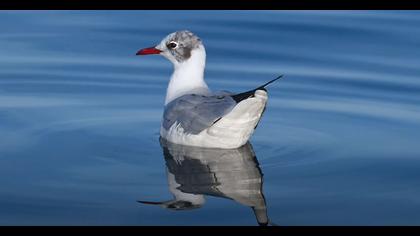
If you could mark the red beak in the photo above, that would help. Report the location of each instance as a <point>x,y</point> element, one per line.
<point>147,51</point>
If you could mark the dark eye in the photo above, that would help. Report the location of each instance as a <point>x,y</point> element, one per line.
<point>172,45</point>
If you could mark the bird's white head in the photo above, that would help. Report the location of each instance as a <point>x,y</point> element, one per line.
<point>186,51</point>
<point>178,47</point>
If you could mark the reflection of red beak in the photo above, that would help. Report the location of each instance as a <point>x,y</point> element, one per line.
<point>148,51</point>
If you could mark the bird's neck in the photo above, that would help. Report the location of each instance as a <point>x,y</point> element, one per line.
<point>188,76</point>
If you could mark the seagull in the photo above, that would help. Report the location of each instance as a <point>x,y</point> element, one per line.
<point>195,116</point>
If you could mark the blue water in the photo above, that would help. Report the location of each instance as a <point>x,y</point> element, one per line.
<point>337,145</point>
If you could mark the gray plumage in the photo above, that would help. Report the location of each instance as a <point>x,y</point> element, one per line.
<point>196,113</point>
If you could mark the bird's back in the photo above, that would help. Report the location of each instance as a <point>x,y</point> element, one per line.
<point>217,121</point>
<point>196,113</point>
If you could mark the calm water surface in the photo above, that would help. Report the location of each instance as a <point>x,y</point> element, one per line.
<point>80,118</point>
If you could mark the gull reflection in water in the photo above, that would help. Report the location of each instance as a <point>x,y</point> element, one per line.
<point>194,172</point>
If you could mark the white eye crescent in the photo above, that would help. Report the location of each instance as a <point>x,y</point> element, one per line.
<point>172,45</point>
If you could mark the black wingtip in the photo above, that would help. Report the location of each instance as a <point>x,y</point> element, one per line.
<point>149,202</point>
<point>271,81</point>
<point>241,96</point>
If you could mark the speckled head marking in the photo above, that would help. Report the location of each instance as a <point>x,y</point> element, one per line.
<point>188,56</point>
<point>180,44</point>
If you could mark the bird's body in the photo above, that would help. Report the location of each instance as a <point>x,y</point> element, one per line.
<point>194,115</point>
<point>212,121</point>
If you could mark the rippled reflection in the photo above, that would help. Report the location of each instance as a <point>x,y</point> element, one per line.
<point>195,172</point>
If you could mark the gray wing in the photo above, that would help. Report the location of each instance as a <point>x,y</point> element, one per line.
<point>196,113</point>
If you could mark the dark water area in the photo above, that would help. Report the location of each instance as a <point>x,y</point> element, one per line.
<point>80,117</point>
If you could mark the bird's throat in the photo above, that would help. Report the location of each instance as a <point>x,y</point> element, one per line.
<point>188,77</point>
